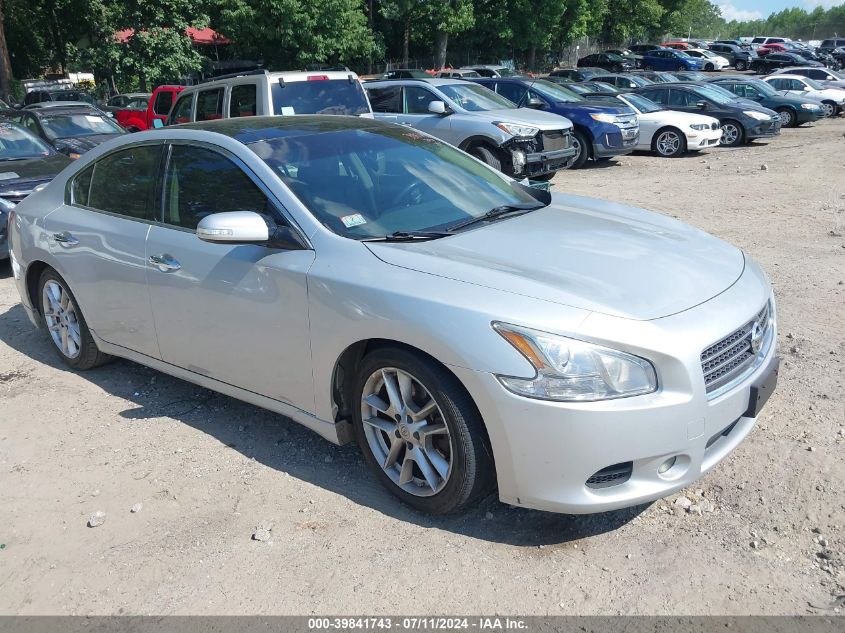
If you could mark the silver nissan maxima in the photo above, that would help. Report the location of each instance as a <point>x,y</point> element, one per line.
<point>376,284</point>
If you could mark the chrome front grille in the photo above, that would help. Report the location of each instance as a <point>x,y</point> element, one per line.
<point>627,121</point>
<point>729,358</point>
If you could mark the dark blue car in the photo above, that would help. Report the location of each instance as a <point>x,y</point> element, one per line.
<point>669,59</point>
<point>599,131</point>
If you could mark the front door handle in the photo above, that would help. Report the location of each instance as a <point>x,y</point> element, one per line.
<point>165,263</point>
<point>65,239</point>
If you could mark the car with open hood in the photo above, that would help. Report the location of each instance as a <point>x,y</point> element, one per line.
<point>378,285</point>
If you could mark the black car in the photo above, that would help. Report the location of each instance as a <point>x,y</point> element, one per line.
<point>773,61</point>
<point>576,74</point>
<point>741,121</point>
<point>39,96</point>
<point>829,46</point>
<point>690,75</point>
<point>642,49</point>
<point>626,53</point>
<point>25,162</point>
<point>607,61</point>
<point>657,76</point>
<point>69,130</point>
<point>809,55</point>
<point>739,57</point>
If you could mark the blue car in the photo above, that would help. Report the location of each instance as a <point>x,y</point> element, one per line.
<point>599,131</point>
<point>669,59</point>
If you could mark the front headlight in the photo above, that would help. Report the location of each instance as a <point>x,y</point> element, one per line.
<point>569,370</point>
<point>699,126</point>
<point>517,129</point>
<point>810,106</point>
<point>759,116</point>
<point>604,117</point>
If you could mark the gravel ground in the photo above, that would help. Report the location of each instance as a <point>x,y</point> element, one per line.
<point>185,477</point>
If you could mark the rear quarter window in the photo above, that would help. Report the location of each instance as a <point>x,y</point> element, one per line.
<point>320,96</point>
<point>210,105</point>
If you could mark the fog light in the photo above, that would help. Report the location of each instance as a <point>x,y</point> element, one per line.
<point>518,160</point>
<point>666,465</point>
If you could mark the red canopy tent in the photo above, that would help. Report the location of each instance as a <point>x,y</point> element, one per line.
<point>206,36</point>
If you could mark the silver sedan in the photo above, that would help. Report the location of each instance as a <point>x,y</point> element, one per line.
<point>373,283</point>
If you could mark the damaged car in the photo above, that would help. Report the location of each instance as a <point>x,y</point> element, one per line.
<point>520,142</point>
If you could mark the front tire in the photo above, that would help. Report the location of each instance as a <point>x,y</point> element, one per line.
<point>420,431</point>
<point>732,133</point>
<point>787,117</point>
<point>741,65</point>
<point>582,149</point>
<point>669,143</point>
<point>829,108</point>
<point>63,319</point>
<point>486,155</point>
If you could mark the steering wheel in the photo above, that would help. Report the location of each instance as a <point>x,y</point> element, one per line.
<point>411,192</point>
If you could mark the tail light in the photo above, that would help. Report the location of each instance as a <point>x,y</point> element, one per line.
<point>318,77</point>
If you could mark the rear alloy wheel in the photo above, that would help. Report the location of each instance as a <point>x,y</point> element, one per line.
<point>828,108</point>
<point>787,117</point>
<point>669,143</point>
<point>731,133</point>
<point>741,65</point>
<point>420,431</point>
<point>681,67</point>
<point>66,325</point>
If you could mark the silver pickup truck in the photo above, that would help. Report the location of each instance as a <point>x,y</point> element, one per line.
<point>517,141</point>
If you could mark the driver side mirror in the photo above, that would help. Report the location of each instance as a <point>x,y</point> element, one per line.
<point>246,227</point>
<point>536,103</point>
<point>438,107</point>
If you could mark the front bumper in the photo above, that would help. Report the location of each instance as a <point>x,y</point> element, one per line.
<point>545,452</point>
<point>548,162</point>
<point>762,129</point>
<point>701,139</point>
<point>614,144</point>
<point>807,116</point>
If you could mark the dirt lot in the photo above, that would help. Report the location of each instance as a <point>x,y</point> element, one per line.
<point>208,469</point>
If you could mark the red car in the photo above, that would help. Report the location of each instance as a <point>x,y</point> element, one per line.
<point>136,119</point>
<point>773,47</point>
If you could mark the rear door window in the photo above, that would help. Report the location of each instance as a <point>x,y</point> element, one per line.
<point>512,91</point>
<point>210,105</point>
<point>243,100</point>
<point>124,182</point>
<point>386,99</point>
<point>417,100</point>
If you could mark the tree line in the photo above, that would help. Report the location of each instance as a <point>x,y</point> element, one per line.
<point>37,36</point>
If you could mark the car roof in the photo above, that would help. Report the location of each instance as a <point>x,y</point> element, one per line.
<point>432,81</point>
<point>272,77</point>
<point>57,104</point>
<point>65,110</point>
<point>490,66</point>
<point>260,128</point>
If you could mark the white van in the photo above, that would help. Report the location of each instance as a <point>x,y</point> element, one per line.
<point>260,92</point>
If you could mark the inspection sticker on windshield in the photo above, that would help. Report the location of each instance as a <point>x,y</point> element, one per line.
<point>288,111</point>
<point>356,219</point>
<point>8,175</point>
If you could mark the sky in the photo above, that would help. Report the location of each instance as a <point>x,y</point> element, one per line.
<point>756,9</point>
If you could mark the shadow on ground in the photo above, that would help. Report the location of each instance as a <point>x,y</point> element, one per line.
<point>285,446</point>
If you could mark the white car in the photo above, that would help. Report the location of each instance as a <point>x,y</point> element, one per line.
<point>825,76</point>
<point>832,99</point>
<point>670,133</point>
<point>711,60</point>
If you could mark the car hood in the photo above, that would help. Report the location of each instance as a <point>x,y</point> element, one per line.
<point>590,254</point>
<point>836,83</point>
<point>23,175</point>
<point>537,118</point>
<point>81,144</point>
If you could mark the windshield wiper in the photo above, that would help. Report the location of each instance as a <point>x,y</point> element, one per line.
<point>408,236</point>
<point>494,213</point>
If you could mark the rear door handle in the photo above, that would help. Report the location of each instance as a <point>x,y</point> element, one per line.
<point>65,239</point>
<point>165,263</point>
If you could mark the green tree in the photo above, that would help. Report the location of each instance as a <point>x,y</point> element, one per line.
<point>701,18</point>
<point>446,18</point>
<point>533,23</point>
<point>290,33</point>
<point>404,12</point>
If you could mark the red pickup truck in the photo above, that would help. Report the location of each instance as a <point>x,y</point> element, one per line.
<point>137,119</point>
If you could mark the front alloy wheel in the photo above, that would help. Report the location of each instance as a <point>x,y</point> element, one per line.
<point>731,134</point>
<point>420,431</point>
<point>828,109</point>
<point>669,144</point>
<point>741,65</point>
<point>787,119</point>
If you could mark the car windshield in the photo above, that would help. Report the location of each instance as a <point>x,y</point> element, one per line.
<point>641,103</point>
<point>715,94</point>
<point>467,73</point>
<point>681,54</point>
<point>366,183</point>
<point>614,57</point>
<point>506,72</point>
<point>475,98</point>
<point>66,125</point>
<point>319,96</point>
<point>16,143</point>
<point>555,92</point>
<point>835,73</point>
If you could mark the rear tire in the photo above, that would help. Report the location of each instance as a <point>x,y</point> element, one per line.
<point>486,155</point>
<point>709,67</point>
<point>681,67</point>
<point>648,67</point>
<point>65,324</point>
<point>441,462</point>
